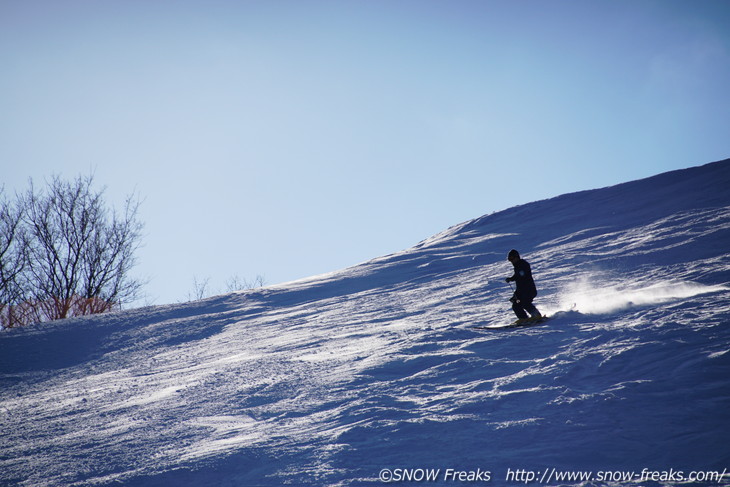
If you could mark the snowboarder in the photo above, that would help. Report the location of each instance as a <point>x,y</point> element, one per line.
<point>526,290</point>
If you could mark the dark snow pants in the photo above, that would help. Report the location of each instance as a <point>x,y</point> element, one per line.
<point>522,307</point>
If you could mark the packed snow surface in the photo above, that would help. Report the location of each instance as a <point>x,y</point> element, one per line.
<point>375,372</point>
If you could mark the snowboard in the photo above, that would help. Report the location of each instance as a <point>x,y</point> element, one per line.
<point>523,323</point>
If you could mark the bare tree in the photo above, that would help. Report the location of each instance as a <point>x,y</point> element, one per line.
<point>236,283</point>
<point>79,253</point>
<point>200,289</point>
<point>13,257</point>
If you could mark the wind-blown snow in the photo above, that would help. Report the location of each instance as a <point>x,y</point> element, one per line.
<point>582,296</point>
<point>329,380</point>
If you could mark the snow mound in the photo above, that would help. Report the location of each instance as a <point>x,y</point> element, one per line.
<point>375,372</point>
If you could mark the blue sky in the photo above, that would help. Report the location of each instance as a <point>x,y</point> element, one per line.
<point>292,138</point>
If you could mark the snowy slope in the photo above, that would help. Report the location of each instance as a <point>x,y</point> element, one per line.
<point>331,380</point>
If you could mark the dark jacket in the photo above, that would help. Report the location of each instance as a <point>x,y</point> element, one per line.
<point>526,290</point>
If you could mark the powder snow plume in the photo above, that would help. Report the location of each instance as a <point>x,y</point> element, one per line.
<point>587,297</point>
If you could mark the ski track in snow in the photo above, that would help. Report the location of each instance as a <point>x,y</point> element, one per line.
<point>328,380</point>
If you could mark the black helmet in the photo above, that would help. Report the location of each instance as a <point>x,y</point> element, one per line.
<point>513,254</point>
